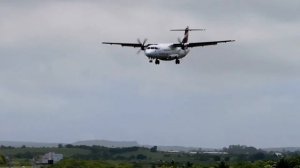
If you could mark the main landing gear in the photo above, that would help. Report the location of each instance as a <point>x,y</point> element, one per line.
<point>156,61</point>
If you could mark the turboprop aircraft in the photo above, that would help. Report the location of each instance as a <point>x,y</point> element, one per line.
<point>169,51</point>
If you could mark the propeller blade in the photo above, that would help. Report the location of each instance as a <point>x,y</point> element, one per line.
<point>139,41</point>
<point>143,45</point>
<point>145,40</point>
<point>179,40</point>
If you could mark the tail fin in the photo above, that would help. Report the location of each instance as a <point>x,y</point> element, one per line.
<point>186,33</point>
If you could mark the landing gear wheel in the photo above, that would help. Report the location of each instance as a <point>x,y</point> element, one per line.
<point>156,61</point>
<point>177,61</point>
<point>150,60</point>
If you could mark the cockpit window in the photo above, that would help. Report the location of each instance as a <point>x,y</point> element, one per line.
<point>155,48</point>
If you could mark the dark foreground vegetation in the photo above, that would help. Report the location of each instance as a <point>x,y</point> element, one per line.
<point>235,156</point>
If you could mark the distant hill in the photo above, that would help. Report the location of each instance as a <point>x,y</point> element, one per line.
<point>106,143</point>
<point>27,144</point>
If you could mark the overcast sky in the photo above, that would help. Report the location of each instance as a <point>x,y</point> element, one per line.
<point>58,83</point>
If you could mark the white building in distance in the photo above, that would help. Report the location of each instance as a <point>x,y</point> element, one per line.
<point>50,158</point>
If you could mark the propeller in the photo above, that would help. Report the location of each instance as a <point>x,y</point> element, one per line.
<point>179,40</point>
<point>143,46</point>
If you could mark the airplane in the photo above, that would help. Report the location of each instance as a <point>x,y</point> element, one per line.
<point>169,51</point>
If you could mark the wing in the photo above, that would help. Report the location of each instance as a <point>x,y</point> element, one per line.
<point>201,44</point>
<point>125,44</point>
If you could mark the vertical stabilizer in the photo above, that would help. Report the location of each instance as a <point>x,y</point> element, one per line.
<point>186,35</point>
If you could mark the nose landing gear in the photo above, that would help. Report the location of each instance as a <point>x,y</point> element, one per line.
<point>177,61</point>
<point>156,61</point>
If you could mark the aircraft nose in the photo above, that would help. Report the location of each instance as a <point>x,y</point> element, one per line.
<point>148,52</point>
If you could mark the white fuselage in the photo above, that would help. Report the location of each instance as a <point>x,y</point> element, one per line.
<point>165,52</point>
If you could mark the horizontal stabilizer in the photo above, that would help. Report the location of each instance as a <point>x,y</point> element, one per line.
<point>187,29</point>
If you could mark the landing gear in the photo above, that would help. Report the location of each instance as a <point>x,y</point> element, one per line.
<point>156,61</point>
<point>150,60</point>
<point>177,61</point>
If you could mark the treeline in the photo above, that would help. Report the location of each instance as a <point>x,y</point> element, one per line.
<point>248,153</point>
<point>90,164</point>
<point>233,156</point>
<point>7,147</point>
<point>288,162</point>
<point>241,149</point>
<point>104,153</point>
<point>292,162</point>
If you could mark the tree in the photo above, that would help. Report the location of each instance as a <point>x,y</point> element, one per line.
<point>217,158</point>
<point>2,160</point>
<point>153,149</point>
<point>283,163</point>
<point>189,164</point>
<point>222,165</point>
<point>258,156</point>
<point>60,146</point>
<point>69,146</point>
<point>141,157</point>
